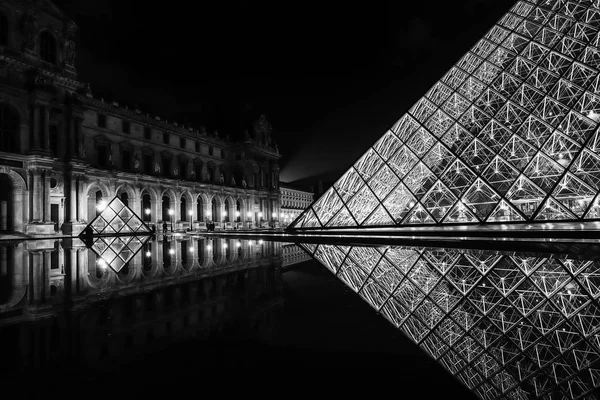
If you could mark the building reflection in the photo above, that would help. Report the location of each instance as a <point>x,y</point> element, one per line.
<point>59,304</point>
<point>506,324</point>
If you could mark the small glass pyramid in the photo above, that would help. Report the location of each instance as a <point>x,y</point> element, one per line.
<point>117,219</point>
<point>509,134</point>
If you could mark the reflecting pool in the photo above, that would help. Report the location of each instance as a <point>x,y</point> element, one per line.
<point>481,323</point>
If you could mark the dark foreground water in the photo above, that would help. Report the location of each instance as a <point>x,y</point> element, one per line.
<point>194,314</point>
<point>181,314</point>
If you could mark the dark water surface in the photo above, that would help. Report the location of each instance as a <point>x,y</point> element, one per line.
<point>180,313</point>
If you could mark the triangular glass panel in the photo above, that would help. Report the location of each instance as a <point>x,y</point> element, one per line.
<point>553,210</point>
<point>418,215</point>
<point>109,223</point>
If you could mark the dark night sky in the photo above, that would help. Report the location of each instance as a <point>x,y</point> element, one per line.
<point>330,76</point>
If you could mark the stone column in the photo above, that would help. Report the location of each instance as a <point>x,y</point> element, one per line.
<point>207,209</point>
<point>38,196</point>
<point>46,128</point>
<point>71,136</point>
<point>36,127</point>
<point>82,269</point>
<point>71,272</point>
<point>194,216</point>
<point>72,199</point>
<point>47,178</point>
<point>37,276</point>
<point>47,265</point>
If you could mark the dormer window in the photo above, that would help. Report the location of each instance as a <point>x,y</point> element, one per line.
<point>3,30</point>
<point>47,47</point>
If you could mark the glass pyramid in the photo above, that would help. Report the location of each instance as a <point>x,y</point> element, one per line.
<point>509,134</point>
<point>508,325</point>
<point>117,251</point>
<point>117,219</point>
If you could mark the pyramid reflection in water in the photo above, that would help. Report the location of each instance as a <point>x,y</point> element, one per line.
<point>509,134</point>
<point>117,251</point>
<point>507,325</point>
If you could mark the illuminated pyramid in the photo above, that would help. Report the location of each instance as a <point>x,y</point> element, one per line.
<point>509,134</point>
<point>117,219</point>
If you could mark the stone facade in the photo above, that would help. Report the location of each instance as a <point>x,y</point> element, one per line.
<point>62,151</point>
<point>293,202</point>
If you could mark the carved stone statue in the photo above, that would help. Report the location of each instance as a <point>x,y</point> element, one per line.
<point>157,168</point>
<point>222,179</point>
<point>69,52</point>
<point>232,180</point>
<point>29,29</point>
<point>175,171</point>
<point>136,162</point>
<point>244,184</point>
<point>262,131</point>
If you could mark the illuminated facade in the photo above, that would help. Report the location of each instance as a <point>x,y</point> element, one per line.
<point>293,201</point>
<point>508,135</point>
<point>508,325</point>
<point>62,151</point>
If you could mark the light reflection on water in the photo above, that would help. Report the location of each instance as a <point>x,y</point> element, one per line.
<point>513,324</point>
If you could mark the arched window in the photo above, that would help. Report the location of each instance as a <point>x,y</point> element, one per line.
<point>238,211</point>
<point>146,207</point>
<point>226,219</point>
<point>47,47</point>
<point>200,209</point>
<point>125,198</point>
<point>9,129</point>
<point>3,30</point>
<point>166,206</point>
<point>214,210</point>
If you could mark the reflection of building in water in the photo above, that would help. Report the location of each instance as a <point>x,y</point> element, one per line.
<point>292,254</point>
<point>293,201</point>
<point>55,299</point>
<point>62,150</point>
<point>507,325</point>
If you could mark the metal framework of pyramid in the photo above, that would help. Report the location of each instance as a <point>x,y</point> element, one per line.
<point>507,325</point>
<point>509,134</point>
<point>118,219</point>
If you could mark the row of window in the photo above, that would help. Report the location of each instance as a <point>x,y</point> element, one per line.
<point>48,45</point>
<point>126,128</point>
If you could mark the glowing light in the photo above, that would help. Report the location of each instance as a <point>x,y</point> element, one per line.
<point>191,248</point>
<point>225,245</point>
<point>260,241</point>
<point>238,244</point>
<point>190,212</point>
<point>101,263</point>
<point>260,214</point>
<point>171,251</point>
<point>101,205</point>
<point>237,213</point>
<point>274,215</point>
<point>208,247</point>
<point>147,211</point>
<point>148,254</point>
<point>171,212</point>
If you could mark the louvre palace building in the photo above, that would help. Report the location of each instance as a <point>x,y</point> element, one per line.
<point>63,153</point>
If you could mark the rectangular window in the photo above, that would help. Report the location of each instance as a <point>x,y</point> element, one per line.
<point>53,130</point>
<point>147,133</point>
<point>126,126</point>
<point>166,162</point>
<point>148,167</point>
<point>126,160</point>
<point>210,150</point>
<point>182,142</point>
<point>197,146</point>
<point>165,138</point>
<point>102,156</point>
<point>101,121</point>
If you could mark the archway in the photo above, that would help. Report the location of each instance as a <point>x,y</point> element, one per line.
<point>166,206</point>
<point>124,198</point>
<point>95,203</point>
<point>6,203</point>
<point>200,209</point>
<point>238,211</point>
<point>146,207</point>
<point>183,211</point>
<point>226,217</point>
<point>213,209</point>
